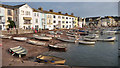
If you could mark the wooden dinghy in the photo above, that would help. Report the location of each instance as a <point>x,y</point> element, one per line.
<point>86,42</point>
<point>18,51</point>
<point>50,59</point>
<point>41,37</point>
<point>57,46</point>
<point>36,42</point>
<point>5,37</point>
<point>20,38</point>
<point>66,40</point>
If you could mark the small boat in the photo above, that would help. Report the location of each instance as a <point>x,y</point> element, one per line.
<point>5,37</point>
<point>90,39</point>
<point>66,40</point>
<point>20,38</point>
<point>41,37</point>
<point>18,51</point>
<point>57,46</point>
<point>35,42</point>
<point>108,39</point>
<point>92,36</point>
<point>86,42</point>
<point>50,59</point>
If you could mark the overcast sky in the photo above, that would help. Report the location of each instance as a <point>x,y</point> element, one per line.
<point>81,9</point>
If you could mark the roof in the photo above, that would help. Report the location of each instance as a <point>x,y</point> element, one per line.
<point>48,12</point>
<point>6,6</point>
<point>17,6</point>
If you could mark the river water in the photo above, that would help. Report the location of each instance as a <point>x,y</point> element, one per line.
<point>100,54</point>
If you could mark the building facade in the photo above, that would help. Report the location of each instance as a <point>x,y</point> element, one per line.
<point>23,16</point>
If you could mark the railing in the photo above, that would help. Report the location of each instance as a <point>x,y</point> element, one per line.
<point>27,23</point>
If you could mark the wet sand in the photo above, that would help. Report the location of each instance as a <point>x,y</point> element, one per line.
<point>33,51</point>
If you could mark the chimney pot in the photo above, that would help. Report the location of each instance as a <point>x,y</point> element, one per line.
<point>40,8</point>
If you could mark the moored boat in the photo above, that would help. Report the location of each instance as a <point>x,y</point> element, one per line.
<point>41,37</point>
<point>50,59</point>
<point>57,46</point>
<point>86,42</point>
<point>66,40</point>
<point>108,39</point>
<point>20,38</point>
<point>36,42</point>
<point>5,37</point>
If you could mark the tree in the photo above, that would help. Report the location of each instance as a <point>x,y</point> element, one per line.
<point>12,24</point>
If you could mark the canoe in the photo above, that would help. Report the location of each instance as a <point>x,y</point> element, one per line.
<point>86,42</point>
<point>66,40</point>
<point>18,51</point>
<point>35,42</point>
<point>41,37</point>
<point>57,47</point>
<point>50,59</point>
<point>20,38</point>
<point>5,37</point>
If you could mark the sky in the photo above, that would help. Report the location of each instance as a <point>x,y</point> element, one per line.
<point>80,9</point>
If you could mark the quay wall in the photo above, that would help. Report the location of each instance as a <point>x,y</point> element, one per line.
<point>16,31</point>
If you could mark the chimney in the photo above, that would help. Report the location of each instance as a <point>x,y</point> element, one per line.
<point>51,10</point>
<point>72,14</point>
<point>66,13</point>
<point>40,8</point>
<point>59,12</point>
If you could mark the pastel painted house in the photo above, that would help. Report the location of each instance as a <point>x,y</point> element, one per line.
<point>2,18</point>
<point>23,16</point>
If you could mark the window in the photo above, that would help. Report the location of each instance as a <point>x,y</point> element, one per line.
<point>62,21</point>
<point>9,12</point>
<point>36,26</point>
<point>49,21</point>
<point>63,26</point>
<point>69,22</point>
<point>59,17</point>
<point>34,14</point>
<point>66,17</point>
<point>54,16</point>
<point>27,13</point>
<point>16,18</point>
<point>66,21</point>
<point>62,17</point>
<point>38,14</point>
<point>72,18</point>
<point>27,22</point>
<point>54,21</point>
<point>36,20</point>
<point>16,11</point>
<point>54,26</point>
<point>59,21</point>
<point>67,26</point>
<point>22,12</point>
<point>69,18</point>
<point>9,18</point>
